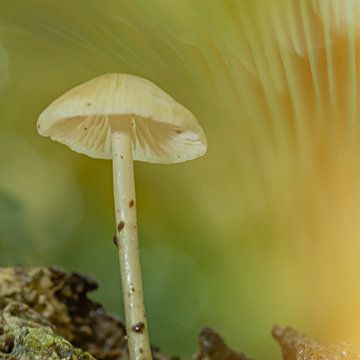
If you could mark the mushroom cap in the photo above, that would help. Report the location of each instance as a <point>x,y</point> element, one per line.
<point>162,130</point>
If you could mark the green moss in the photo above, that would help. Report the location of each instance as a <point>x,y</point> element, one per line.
<point>40,344</point>
<point>26,335</point>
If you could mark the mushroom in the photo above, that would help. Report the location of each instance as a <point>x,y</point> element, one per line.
<point>124,118</point>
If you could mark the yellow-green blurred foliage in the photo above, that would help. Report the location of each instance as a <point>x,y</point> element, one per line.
<point>265,228</point>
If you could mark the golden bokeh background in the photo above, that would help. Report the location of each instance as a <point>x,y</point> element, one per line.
<point>265,228</point>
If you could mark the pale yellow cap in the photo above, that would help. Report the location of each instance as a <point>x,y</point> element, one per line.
<point>162,130</point>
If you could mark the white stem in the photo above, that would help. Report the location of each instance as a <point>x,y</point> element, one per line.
<point>128,247</point>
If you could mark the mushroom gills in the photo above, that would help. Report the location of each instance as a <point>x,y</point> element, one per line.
<point>153,141</point>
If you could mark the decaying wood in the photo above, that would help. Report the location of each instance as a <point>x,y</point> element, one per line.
<point>45,314</point>
<point>61,299</point>
<point>297,346</point>
<point>213,347</point>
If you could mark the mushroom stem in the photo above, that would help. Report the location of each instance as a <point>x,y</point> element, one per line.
<point>128,246</point>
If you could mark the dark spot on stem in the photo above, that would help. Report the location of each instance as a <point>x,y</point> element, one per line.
<point>121,156</point>
<point>88,104</point>
<point>131,203</point>
<point>138,328</point>
<point>85,128</point>
<point>132,289</point>
<point>115,240</point>
<point>178,131</point>
<point>121,225</point>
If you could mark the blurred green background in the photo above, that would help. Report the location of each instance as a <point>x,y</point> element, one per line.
<point>264,228</point>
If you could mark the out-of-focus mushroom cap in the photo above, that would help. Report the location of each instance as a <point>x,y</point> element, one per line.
<point>162,130</point>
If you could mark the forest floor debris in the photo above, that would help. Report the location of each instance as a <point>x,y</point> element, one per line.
<point>45,314</point>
